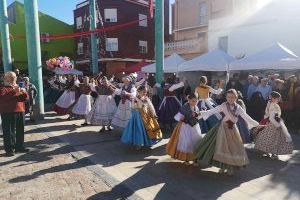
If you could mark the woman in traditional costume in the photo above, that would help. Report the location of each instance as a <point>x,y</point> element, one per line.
<point>84,104</point>
<point>274,139</point>
<point>127,93</point>
<point>68,98</point>
<point>104,107</point>
<point>143,128</point>
<point>222,146</point>
<point>202,92</point>
<point>170,104</point>
<point>187,133</point>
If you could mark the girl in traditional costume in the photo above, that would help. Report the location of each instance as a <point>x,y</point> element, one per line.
<point>202,92</point>
<point>274,139</point>
<point>222,146</point>
<point>143,128</point>
<point>187,133</point>
<point>84,104</point>
<point>104,107</point>
<point>127,93</point>
<point>170,104</point>
<point>68,98</point>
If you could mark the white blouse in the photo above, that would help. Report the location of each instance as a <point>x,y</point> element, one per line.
<point>228,116</point>
<point>271,110</point>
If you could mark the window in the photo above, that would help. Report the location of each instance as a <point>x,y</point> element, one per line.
<point>203,13</point>
<point>223,43</point>
<point>143,47</point>
<point>112,44</point>
<point>79,22</point>
<point>80,48</point>
<point>110,15</point>
<point>43,39</point>
<point>201,35</point>
<point>143,21</point>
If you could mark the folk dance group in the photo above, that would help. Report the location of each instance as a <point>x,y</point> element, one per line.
<point>206,133</point>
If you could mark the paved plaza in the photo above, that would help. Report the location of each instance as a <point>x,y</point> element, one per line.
<point>68,161</point>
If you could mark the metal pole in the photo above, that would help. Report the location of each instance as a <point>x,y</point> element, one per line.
<point>94,48</point>
<point>159,39</point>
<point>5,41</point>
<point>34,53</point>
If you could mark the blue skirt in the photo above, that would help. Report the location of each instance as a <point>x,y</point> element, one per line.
<point>244,131</point>
<point>135,132</point>
<point>208,124</point>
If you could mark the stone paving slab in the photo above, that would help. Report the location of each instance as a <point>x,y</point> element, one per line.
<point>49,171</point>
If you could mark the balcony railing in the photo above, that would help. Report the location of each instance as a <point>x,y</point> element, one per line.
<point>192,46</point>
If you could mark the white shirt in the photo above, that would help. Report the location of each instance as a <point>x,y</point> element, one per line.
<point>228,116</point>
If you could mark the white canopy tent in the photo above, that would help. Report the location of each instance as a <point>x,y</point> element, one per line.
<point>275,57</point>
<point>215,60</point>
<point>171,64</point>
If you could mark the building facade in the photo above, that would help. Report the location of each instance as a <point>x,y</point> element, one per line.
<point>120,48</point>
<point>189,28</point>
<point>48,26</point>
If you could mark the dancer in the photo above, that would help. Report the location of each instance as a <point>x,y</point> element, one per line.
<point>68,98</point>
<point>241,124</point>
<point>84,103</point>
<point>104,107</point>
<point>202,92</point>
<point>222,146</point>
<point>143,128</point>
<point>274,139</point>
<point>127,93</point>
<point>187,133</point>
<point>170,104</point>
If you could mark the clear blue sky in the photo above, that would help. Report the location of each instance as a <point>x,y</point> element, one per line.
<point>60,9</point>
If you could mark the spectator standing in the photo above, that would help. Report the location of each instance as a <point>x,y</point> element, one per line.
<point>12,109</point>
<point>32,92</point>
<point>252,87</point>
<point>264,88</point>
<point>246,86</point>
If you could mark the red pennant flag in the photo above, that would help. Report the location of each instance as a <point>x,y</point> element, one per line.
<point>151,8</point>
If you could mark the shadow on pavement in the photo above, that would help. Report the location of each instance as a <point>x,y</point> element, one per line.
<point>177,180</point>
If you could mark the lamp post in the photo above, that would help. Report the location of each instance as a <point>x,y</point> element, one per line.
<point>34,53</point>
<point>5,41</point>
<point>159,39</point>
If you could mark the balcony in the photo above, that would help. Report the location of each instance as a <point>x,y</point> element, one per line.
<point>187,47</point>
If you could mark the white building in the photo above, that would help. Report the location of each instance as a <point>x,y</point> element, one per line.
<point>248,26</point>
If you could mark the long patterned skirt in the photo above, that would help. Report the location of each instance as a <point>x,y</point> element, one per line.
<point>83,105</point>
<point>183,141</point>
<point>222,147</point>
<point>151,125</point>
<point>102,111</point>
<point>123,114</point>
<point>135,132</point>
<point>272,140</point>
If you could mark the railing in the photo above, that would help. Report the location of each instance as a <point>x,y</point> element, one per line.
<point>197,45</point>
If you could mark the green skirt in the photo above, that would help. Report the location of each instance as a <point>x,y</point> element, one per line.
<point>205,150</point>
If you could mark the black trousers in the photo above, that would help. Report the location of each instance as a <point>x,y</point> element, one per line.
<point>13,131</point>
